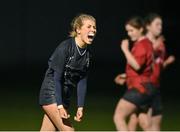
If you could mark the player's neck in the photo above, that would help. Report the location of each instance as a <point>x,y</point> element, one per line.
<point>151,37</point>
<point>80,43</point>
<point>141,38</point>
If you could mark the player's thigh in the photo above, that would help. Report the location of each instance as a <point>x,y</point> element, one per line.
<point>47,125</point>
<point>125,108</point>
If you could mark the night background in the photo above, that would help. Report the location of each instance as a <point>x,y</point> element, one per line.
<point>31,30</point>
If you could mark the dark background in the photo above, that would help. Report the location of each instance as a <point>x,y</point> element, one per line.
<point>31,30</point>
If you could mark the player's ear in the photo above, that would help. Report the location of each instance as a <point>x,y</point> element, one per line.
<point>78,31</point>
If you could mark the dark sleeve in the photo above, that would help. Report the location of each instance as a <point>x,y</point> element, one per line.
<point>58,59</point>
<point>58,88</point>
<point>57,63</point>
<point>81,92</point>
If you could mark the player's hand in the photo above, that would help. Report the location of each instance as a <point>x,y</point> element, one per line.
<point>120,79</point>
<point>125,45</point>
<point>168,61</point>
<point>158,42</point>
<point>171,59</point>
<point>79,114</point>
<point>63,112</point>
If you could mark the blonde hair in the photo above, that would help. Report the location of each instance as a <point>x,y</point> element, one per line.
<point>77,22</point>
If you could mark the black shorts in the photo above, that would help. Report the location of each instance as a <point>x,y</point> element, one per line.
<point>47,91</point>
<point>144,101</point>
<point>157,104</point>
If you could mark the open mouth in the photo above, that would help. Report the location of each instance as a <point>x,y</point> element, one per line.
<point>91,36</point>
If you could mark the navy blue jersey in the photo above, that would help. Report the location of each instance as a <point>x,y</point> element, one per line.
<point>68,68</point>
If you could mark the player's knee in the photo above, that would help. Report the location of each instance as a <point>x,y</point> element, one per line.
<point>144,122</point>
<point>134,118</point>
<point>118,116</point>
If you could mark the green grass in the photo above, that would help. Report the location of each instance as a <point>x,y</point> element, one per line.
<point>20,111</point>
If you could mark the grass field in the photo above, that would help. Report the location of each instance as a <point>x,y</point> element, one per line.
<point>20,110</point>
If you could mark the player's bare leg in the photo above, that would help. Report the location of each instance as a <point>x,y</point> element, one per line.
<point>123,110</point>
<point>156,123</point>
<point>133,122</point>
<point>54,118</point>
<point>145,120</point>
<point>47,125</point>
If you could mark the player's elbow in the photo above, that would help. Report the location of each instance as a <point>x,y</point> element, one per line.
<point>136,67</point>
